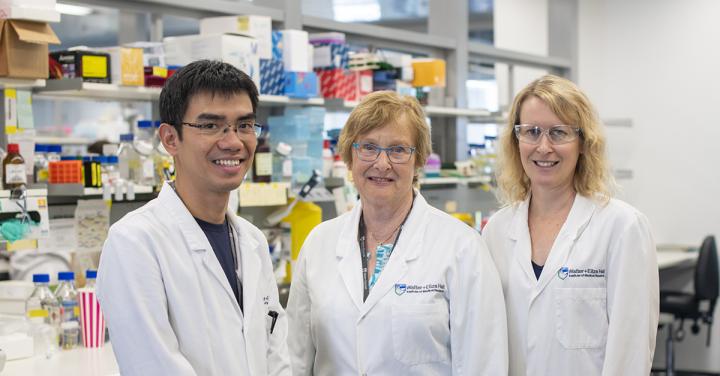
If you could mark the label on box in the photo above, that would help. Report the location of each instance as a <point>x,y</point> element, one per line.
<point>160,72</point>
<point>243,23</point>
<point>15,174</point>
<point>94,66</point>
<point>263,164</point>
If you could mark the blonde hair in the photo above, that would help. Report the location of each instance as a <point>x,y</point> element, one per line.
<point>379,109</point>
<point>592,176</point>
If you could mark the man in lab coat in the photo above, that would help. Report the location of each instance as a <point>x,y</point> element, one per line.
<point>186,286</point>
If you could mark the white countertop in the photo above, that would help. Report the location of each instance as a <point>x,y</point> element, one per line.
<point>77,362</point>
<point>668,259</point>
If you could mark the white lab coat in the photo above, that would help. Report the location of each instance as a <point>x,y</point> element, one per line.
<point>437,308</point>
<point>597,317</point>
<point>169,307</point>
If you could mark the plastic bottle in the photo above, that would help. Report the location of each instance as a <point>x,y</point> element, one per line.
<point>54,152</point>
<point>14,168</point>
<point>43,311</point>
<point>67,297</point>
<point>128,159</point>
<point>40,168</point>
<point>282,163</point>
<point>432,166</point>
<point>90,278</point>
<point>327,158</point>
<point>144,145</point>
<point>339,169</point>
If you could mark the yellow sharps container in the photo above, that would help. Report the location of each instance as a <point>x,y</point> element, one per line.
<point>302,219</point>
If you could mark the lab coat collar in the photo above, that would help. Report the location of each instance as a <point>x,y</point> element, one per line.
<point>579,217</point>
<point>198,242</point>
<point>407,249</point>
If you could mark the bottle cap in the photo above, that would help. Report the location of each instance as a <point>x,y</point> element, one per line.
<point>144,123</point>
<point>91,273</point>
<point>127,137</point>
<point>112,159</point>
<point>42,278</point>
<point>283,149</point>
<point>13,148</point>
<point>66,276</point>
<point>41,148</point>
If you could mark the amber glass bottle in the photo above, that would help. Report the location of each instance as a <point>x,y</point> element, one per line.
<point>14,168</point>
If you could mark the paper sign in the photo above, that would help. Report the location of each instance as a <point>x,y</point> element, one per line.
<point>24,110</point>
<point>10,111</point>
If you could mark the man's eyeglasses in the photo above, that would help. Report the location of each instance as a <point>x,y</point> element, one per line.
<point>370,152</point>
<point>218,130</point>
<point>557,135</point>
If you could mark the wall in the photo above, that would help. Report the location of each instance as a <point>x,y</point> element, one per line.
<point>656,62</point>
<point>520,25</point>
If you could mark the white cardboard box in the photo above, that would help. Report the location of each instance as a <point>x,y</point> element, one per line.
<point>237,50</point>
<point>295,51</point>
<point>32,10</point>
<point>258,27</point>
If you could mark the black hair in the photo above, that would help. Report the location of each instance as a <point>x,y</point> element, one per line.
<point>202,76</point>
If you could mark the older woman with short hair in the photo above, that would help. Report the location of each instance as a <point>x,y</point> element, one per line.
<point>394,287</point>
<point>578,267</point>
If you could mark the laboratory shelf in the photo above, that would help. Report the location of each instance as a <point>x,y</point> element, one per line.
<point>281,100</point>
<point>77,88</point>
<point>21,83</point>
<point>61,140</point>
<point>32,192</point>
<point>452,180</point>
<point>78,190</point>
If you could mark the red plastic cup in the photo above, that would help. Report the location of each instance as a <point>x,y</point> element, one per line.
<point>92,320</point>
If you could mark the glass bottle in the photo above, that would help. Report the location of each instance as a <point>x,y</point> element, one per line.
<point>14,168</point>
<point>67,297</point>
<point>40,168</point>
<point>262,163</point>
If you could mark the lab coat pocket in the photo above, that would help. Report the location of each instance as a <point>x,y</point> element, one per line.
<point>421,333</point>
<point>582,321</point>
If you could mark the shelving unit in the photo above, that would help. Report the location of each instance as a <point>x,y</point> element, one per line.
<point>442,181</point>
<point>75,88</point>
<point>77,190</point>
<point>21,83</point>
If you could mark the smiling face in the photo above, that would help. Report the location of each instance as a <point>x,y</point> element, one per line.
<point>210,164</point>
<point>381,182</point>
<point>548,166</point>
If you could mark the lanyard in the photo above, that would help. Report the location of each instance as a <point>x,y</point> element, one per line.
<point>363,248</point>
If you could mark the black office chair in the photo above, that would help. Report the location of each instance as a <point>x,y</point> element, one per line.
<point>698,306</point>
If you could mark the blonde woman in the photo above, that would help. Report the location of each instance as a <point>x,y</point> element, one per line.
<point>578,267</point>
<point>394,287</point>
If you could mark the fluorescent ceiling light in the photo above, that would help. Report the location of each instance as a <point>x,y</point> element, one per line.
<point>73,10</point>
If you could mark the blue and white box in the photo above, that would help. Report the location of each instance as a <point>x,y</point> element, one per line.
<point>272,77</point>
<point>301,84</point>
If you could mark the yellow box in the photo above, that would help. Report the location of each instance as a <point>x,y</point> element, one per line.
<point>429,72</point>
<point>127,66</point>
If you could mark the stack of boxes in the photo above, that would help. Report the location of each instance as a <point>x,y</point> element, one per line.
<point>332,64</point>
<point>301,128</point>
<point>24,37</point>
<point>300,80</point>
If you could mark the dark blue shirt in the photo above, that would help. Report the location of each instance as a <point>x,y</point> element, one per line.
<point>219,238</point>
<point>537,269</point>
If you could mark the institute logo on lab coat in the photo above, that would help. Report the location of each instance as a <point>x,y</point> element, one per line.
<point>563,272</point>
<point>400,288</point>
